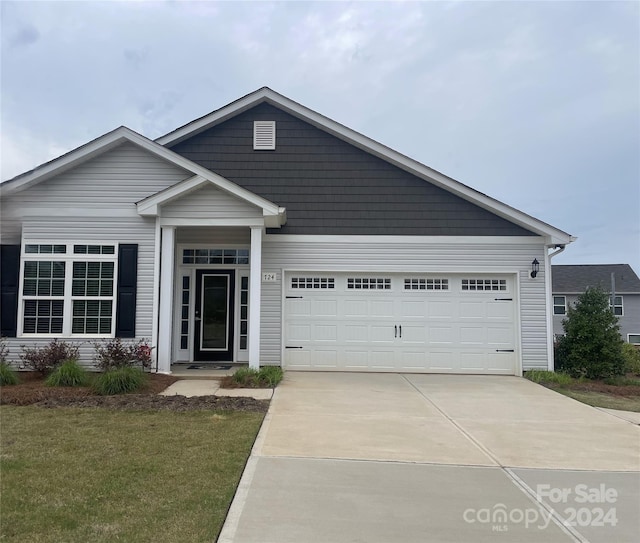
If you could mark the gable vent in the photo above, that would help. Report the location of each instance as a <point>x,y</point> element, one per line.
<point>264,135</point>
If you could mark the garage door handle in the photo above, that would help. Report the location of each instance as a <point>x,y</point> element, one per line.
<point>400,330</point>
<point>395,333</point>
<point>293,297</point>
<point>503,299</point>
<point>505,350</point>
<point>290,347</point>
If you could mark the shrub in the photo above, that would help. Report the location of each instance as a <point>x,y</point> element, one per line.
<point>591,346</point>
<point>7,375</point>
<point>45,359</point>
<point>542,376</point>
<point>631,358</point>
<point>68,374</point>
<point>265,377</point>
<point>119,381</point>
<point>4,350</point>
<point>115,354</point>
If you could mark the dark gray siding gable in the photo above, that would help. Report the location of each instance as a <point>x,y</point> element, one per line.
<point>331,187</point>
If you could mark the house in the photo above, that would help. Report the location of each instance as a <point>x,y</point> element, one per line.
<point>569,281</point>
<point>267,233</point>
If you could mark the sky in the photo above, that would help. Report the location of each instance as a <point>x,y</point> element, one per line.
<point>535,104</point>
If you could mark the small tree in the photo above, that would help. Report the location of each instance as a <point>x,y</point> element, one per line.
<point>591,346</point>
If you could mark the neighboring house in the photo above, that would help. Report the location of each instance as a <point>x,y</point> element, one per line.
<point>572,280</point>
<point>267,233</point>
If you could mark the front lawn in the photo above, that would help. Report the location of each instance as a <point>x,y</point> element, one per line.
<point>616,393</point>
<point>94,475</point>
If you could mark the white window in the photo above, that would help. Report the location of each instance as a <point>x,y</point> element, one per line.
<point>634,339</point>
<point>369,283</point>
<point>484,284</point>
<point>559,305</point>
<point>618,309</point>
<point>264,135</point>
<point>68,289</point>
<point>313,282</point>
<point>426,284</point>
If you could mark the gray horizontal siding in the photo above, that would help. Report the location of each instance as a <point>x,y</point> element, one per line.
<point>408,258</point>
<point>214,236</point>
<point>210,202</point>
<point>96,202</point>
<point>629,322</point>
<point>331,187</point>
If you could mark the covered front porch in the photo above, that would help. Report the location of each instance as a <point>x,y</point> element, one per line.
<point>208,272</point>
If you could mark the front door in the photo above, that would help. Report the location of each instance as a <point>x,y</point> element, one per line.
<point>214,315</point>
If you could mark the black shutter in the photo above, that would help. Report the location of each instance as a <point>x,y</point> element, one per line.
<point>127,283</point>
<point>9,281</point>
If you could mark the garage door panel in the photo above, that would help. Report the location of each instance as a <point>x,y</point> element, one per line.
<point>401,329</point>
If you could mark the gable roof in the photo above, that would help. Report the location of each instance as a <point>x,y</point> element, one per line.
<point>123,134</point>
<point>554,235</point>
<point>574,279</point>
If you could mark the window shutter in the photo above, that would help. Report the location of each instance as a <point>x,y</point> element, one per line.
<point>264,135</point>
<point>9,281</point>
<point>127,284</point>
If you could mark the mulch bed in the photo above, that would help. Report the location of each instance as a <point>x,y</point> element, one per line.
<point>627,391</point>
<point>32,391</point>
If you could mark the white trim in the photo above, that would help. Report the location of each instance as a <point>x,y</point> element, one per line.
<point>632,334</point>
<point>165,320</point>
<point>121,135</point>
<point>554,305</point>
<point>251,223</point>
<point>69,258</point>
<point>620,305</point>
<point>448,240</point>
<point>255,286</point>
<point>548,298</point>
<point>155,310</point>
<point>150,205</point>
<point>370,146</point>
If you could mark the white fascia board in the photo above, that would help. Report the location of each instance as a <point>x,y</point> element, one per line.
<point>442,240</point>
<point>65,162</point>
<point>368,145</point>
<point>115,138</point>
<point>149,206</point>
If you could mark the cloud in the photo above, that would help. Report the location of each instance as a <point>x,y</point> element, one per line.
<point>23,37</point>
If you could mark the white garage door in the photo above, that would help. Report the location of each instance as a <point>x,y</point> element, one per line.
<point>410,323</point>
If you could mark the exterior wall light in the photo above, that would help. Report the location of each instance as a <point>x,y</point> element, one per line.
<point>535,268</point>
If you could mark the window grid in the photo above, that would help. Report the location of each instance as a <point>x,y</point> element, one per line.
<point>94,249</point>
<point>618,309</point>
<point>43,316</point>
<point>369,283</point>
<point>45,249</point>
<point>484,284</point>
<point>72,295</point>
<point>559,305</point>
<point>184,312</point>
<point>244,312</point>
<point>426,284</point>
<point>92,317</point>
<point>313,282</point>
<point>215,256</point>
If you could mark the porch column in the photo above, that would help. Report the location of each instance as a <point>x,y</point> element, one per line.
<point>255,283</point>
<point>165,317</point>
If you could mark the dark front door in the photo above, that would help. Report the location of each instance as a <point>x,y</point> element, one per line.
<point>214,316</point>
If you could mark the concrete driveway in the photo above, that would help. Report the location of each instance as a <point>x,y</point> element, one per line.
<point>351,457</point>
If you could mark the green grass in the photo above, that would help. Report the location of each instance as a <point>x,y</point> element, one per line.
<point>598,399</point>
<point>68,374</point>
<point>7,375</point>
<point>120,381</point>
<point>541,376</point>
<point>265,377</point>
<point>94,475</point>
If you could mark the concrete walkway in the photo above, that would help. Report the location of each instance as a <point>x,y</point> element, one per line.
<point>211,387</point>
<point>387,457</point>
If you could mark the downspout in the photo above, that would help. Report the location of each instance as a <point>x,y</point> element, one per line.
<point>549,288</point>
